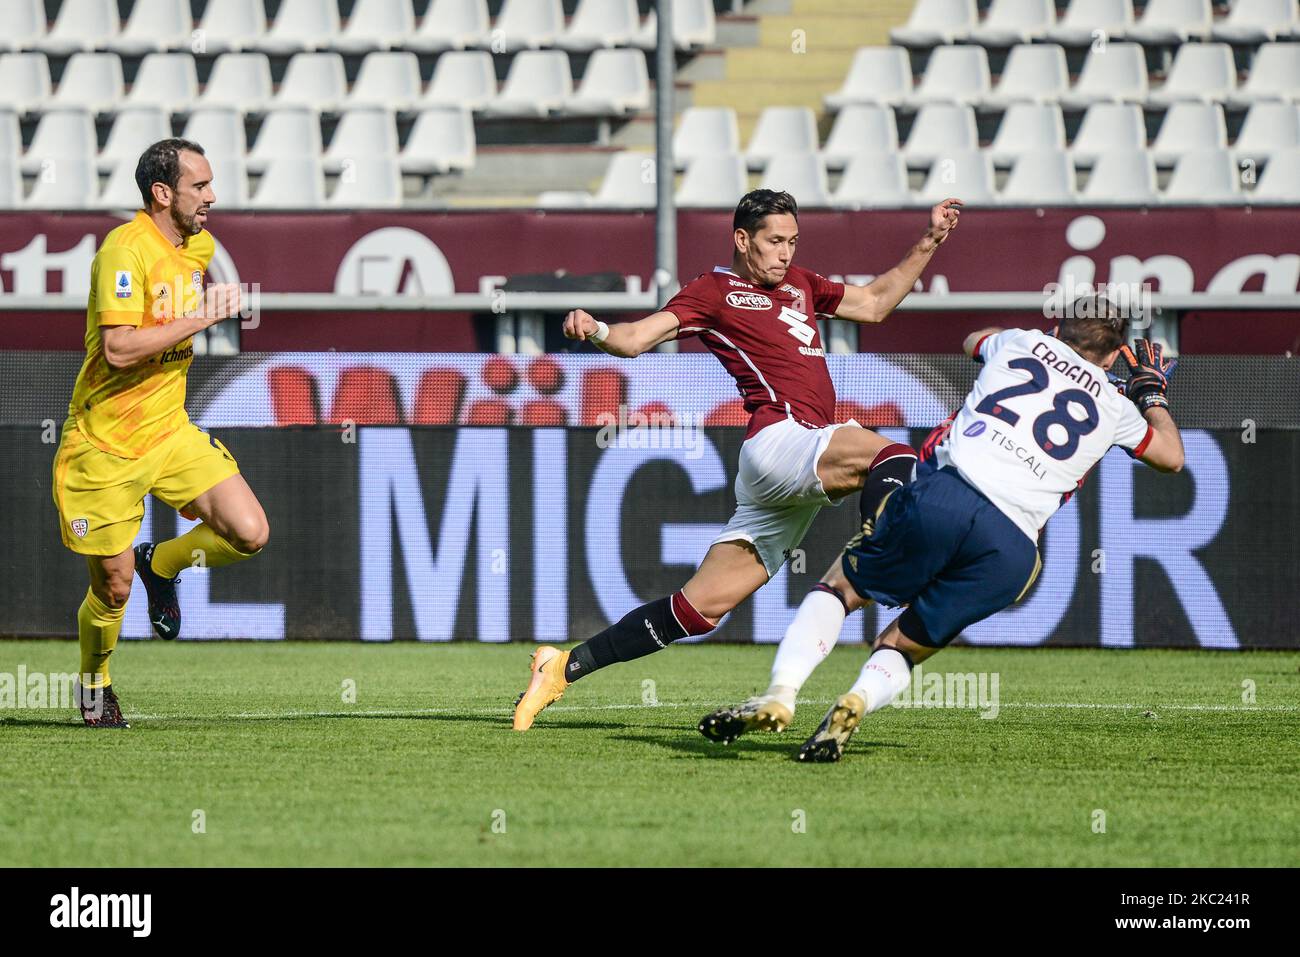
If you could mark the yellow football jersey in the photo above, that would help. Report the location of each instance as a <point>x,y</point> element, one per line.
<point>138,278</point>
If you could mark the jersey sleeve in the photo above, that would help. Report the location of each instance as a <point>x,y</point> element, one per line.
<point>695,306</point>
<point>993,343</point>
<point>119,287</point>
<point>1133,431</point>
<point>827,295</point>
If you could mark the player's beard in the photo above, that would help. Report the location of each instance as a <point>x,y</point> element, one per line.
<point>185,225</point>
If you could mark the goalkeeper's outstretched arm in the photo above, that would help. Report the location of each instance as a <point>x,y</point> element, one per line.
<point>1164,452</point>
<point>624,339</point>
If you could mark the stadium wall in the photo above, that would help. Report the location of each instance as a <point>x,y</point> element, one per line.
<point>1215,249</point>
<point>399,530</point>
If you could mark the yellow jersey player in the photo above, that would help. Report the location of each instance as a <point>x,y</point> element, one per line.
<point>127,434</point>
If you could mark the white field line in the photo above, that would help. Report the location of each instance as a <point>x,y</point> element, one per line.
<point>417,712</point>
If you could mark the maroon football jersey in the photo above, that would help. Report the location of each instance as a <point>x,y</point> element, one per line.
<point>767,339</point>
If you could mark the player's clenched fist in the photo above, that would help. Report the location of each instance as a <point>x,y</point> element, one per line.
<point>579,325</point>
<point>221,301</point>
<point>943,219</point>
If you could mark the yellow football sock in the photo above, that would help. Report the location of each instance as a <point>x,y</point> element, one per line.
<point>97,627</point>
<point>199,546</point>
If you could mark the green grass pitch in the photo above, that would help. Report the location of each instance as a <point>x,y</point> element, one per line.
<point>423,769</point>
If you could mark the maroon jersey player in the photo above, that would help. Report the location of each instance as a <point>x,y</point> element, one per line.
<point>759,317</point>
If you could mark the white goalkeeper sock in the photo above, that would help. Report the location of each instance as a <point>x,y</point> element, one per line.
<point>809,639</point>
<point>885,674</point>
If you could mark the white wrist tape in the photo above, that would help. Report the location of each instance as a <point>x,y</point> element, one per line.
<point>601,333</point>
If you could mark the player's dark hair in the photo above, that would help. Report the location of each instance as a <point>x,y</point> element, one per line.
<point>161,163</point>
<point>1094,327</point>
<point>758,204</point>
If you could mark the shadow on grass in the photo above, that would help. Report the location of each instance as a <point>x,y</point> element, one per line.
<point>696,745</point>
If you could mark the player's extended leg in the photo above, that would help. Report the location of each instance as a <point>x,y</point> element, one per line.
<point>233,528</point>
<point>730,573</point>
<point>99,622</point>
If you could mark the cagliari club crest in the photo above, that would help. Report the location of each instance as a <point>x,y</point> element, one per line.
<point>79,527</point>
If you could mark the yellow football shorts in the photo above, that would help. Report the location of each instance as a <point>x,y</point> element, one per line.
<point>100,496</point>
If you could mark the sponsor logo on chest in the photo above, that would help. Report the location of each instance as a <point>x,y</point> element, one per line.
<point>749,300</point>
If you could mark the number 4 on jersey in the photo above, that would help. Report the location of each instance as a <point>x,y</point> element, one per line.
<point>799,326</point>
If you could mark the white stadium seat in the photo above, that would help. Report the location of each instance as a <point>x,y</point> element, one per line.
<point>705,130</point>
<point>1087,20</point>
<point>873,180</point>
<point>1122,178</point>
<point>1201,71</point>
<point>462,78</point>
<point>219,130</point>
<point>1170,22</point>
<point>940,129</point>
<point>229,181</point>
<point>802,175</point>
<point>1028,128</point>
<point>935,22</point>
<point>1206,177</point>
<point>1187,128</point>
<point>1037,74</point>
<point>61,135</point>
<point>1274,75</point>
<point>24,81</point>
<point>153,26</point>
<point>82,25</point>
<point>229,26</point>
<point>239,80</point>
<point>782,129</point>
<point>11,136</point>
<point>860,129</point>
<point>716,181</point>
<point>956,74</point>
<point>1010,22</point>
<point>441,140</point>
<point>601,23</point>
<point>24,28</point>
<point>302,25</point>
<point>133,131</point>
<point>291,182</point>
<point>451,25</point>
<point>965,174</point>
<point>11,184</point>
<point>291,132</point>
<point>1280,181</point>
<point>370,131</point>
<point>121,191</point>
<point>1043,178</point>
<point>90,81</point>
<point>1109,128</point>
<point>528,24</point>
<point>387,79</point>
<point>368,182</point>
<point>168,81</point>
<point>315,80</point>
<point>694,26</point>
<point>1114,73</point>
<point>616,82</point>
<point>629,182</point>
<point>539,82</point>
<point>376,25</point>
<point>1257,21</point>
<point>65,183</point>
<point>1268,128</point>
<point>877,75</point>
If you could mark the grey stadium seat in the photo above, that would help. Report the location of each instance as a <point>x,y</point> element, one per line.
<point>441,140</point>
<point>1108,128</point>
<point>704,130</point>
<point>615,83</point>
<point>1010,22</point>
<point>219,130</point>
<point>601,23</point>
<point>965,174</point>
<point>802,175</point>
<point>67,183</point>
<point>1083,20</point>
<point>302,25</point>
<point>293,132</point>
<point>539,83</point>
<point>366,131</point>
<point>315,80</point>
<point>529,24</point>
<point>1115,73</point>
<point>1200,71</point>
<point>1036,74</point>
<point>860,129</point>
<point>368,182</point>
<point>782,129</point>
<point>90,81</point>
<point>1274,75</point>
<point>716,181</point>
<point>1269,127</point>
<point>1257,21</point>
<point>239,80</point>
<point>873,180</point>
<point>168,81</point>
<point>936,22</point>
<point>876,75</point>
<point>66,134</point>
<point>956,74</point>
<point>1187,128</point>
<point>24,28</point>
<point>1122,178</point>
<point>1028,128</point>
<point>451,25</point>
<point>229,26</point>
<point>154,26</point>
<point>462,78</point>
<point>387,79</point>
<point>1206,177</point>
<point>24,81</point>
<point>694,26</point>
<point>81,25</point>
<point>291,182</point>
<point>1170,22</point>
<point>376,25</point>
<point>940,129</point>
<point>1043,178</point>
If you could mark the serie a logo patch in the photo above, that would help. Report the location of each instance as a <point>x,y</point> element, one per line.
<point>122,284</point>
<point>80,527</point>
